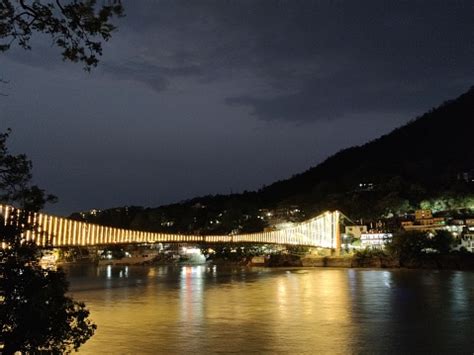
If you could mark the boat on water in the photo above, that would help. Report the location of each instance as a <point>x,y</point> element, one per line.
<point>134,258</point>
<point>191,256</point>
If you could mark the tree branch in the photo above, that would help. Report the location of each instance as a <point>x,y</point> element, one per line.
<point>76,27</point>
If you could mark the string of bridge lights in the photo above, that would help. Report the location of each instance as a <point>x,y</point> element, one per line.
<point>53,231</point>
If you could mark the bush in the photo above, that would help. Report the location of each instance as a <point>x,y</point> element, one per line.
<point>408,245</point>
<point>369,253</point>
<point>414,244</point>
<point>442,242</point>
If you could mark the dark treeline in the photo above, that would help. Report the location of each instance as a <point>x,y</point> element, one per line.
<point>204,215</point>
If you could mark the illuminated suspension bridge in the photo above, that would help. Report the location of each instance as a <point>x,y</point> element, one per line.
<point>52,231</point>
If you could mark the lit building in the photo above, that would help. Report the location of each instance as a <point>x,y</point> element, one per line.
<point>422,214</point>
<point>431,221</point>
<point>375,240</point>
<point>467,241</point>
<point>424,222</point>
<point>470,221</point>
<point>423,227</point>
<point>365,186</point>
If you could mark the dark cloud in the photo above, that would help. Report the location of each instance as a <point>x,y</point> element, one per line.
<point>313,60</point>
<point>347,94</point>
<point>156,76</point>
<point>309,60</point>
<point>343,58</point>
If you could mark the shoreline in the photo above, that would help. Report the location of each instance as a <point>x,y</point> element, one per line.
<point>426,262</point>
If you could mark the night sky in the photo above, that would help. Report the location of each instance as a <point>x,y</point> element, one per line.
<point>205,97</point>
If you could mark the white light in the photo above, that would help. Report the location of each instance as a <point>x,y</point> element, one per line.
<point>192,251</point>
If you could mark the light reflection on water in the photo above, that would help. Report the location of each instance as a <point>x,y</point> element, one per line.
<point>203,309</point>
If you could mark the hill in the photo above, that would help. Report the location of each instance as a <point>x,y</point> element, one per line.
<point>421,159</point>
<point>428,162</point>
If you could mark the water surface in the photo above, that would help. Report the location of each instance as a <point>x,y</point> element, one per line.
<point>202,309</point>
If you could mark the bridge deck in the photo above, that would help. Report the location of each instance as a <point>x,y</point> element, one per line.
<point>320,231</point>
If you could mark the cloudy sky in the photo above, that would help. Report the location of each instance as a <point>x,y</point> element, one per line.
<point>203,97</point>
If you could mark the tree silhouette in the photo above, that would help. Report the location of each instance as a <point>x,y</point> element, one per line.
<point>35,313</point>
<point>77,27</point>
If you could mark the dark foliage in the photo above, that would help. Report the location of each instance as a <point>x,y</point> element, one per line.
<point>408,245</point>
<point>15,180</point>
<point>76,27</point>
<point>35,313</point>
<point>211,215</point>
<point>235,253</point>
<point>413,245</point>
<point>442,242</point>
<point>369,253</point>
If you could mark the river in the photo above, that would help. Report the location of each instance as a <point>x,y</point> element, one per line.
<point>200,309</point>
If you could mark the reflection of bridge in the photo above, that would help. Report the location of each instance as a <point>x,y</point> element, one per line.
<point>320,231</point>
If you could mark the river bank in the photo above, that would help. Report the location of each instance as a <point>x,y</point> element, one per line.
<point>427,261</point>
<point>441,262</point>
